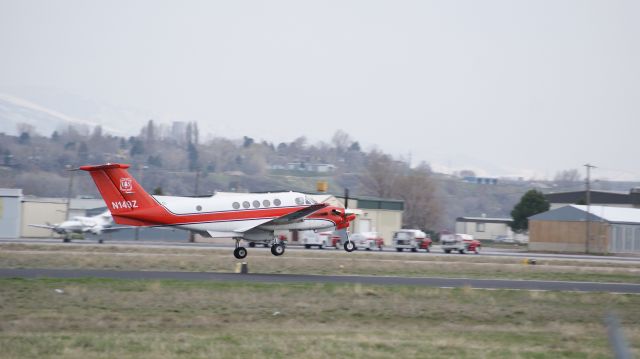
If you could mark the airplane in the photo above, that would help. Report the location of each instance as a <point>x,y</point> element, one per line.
<point>80,224</point>
<point>252,217</point>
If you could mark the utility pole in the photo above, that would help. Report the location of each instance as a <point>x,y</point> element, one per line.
<point>192,235</point>
<point>69,190</point>
<point>588,202</point>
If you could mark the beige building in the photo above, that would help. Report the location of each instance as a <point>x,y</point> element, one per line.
<point>372,214</point>
<point>484,228</point>
<point>610,230</point>
<point>38,210</point>
<point>41,211</point>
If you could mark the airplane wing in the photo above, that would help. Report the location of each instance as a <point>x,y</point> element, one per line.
<point>294,216</point>
<point>288,218</point>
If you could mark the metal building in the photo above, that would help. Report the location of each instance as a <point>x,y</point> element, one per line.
<point>10,215</point>
<point>566,229</point>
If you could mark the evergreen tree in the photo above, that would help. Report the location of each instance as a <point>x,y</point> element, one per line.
<point>531,203</point>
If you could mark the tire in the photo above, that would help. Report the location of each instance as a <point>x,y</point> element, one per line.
<point>414,249</point>
<point>349,246</point>
<point>240,252</point>
<point>399,249</point>
<point>252,244</point>
<point>307,246</point>
<point>447,251</point>
<point>277,249</point>
<point>461,251</point>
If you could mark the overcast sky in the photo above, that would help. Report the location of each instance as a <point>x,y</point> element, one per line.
<point>514,87</point>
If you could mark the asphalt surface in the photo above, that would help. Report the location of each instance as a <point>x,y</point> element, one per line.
<point>436,251</point>
<point>294,278</point>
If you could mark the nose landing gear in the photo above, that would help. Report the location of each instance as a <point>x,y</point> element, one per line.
<point>349,246</point>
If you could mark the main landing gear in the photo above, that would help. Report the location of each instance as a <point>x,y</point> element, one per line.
<point>277,248</point>
<point>239,252</point>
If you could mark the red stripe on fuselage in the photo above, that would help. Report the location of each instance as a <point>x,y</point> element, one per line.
<point>160,215</point>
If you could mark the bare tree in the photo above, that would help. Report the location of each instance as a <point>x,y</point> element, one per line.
<point>421,206</point>
<point>568,176</point>
<point>341,140</point>
<point>381,174</point>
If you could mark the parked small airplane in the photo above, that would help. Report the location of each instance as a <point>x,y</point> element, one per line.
<point>250,216</point>
<point>80,224</point>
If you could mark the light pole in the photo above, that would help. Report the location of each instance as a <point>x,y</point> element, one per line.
<point>141,169</point>
<point>192,235</point>
<point>588,202</point>
<point>69,189</point>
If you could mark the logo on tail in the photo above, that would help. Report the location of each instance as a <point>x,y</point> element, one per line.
<point>125,185</point>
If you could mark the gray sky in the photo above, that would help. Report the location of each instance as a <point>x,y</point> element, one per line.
<point>514,87</point>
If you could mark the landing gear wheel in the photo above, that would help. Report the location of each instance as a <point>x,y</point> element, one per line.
<point>252,244</point>
<point>461,251</point>
<point>277,249</point>
<point>240,252</point>
<point>349,246</point>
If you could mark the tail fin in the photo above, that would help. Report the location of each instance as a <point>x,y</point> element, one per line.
<point>122,194</point>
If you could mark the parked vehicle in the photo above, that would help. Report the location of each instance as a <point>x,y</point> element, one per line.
<point>462,243</point>
<point>368,240</point>
<point>313,239</point>
<point>412,239</point>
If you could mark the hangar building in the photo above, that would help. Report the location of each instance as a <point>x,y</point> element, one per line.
<point>629,199</point>
<point>611,230</point>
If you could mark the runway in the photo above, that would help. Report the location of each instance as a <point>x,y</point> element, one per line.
<point>623,288</point>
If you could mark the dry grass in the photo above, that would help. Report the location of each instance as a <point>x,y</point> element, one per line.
<point>311,262</point>
<point>100,318</point>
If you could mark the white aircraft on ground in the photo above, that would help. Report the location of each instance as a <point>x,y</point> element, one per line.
<point>250,216</point>
<point>80,224</point>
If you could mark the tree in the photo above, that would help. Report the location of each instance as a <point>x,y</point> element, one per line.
<point>381,173</point>
<point>421,206</point>
<point>247,142</point>
<point>531,203</point>
<point>341,140</point>
<point>568,176</point>
<point>193,157</point>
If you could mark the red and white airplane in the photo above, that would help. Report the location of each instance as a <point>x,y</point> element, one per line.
<point>250,216</point>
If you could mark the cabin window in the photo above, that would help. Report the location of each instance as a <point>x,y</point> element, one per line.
<point>246,204</point>
<point>236,205</point>
<point>256,204</point>
<point>198,208</point>
<point>277,202</point>
<point>299,201</point>
<point>266,203</point>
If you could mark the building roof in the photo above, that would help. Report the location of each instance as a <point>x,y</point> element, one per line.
<point>597,197</point>
<point>577,213</point>
<point>484,220</point>
<point>10,192</point>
